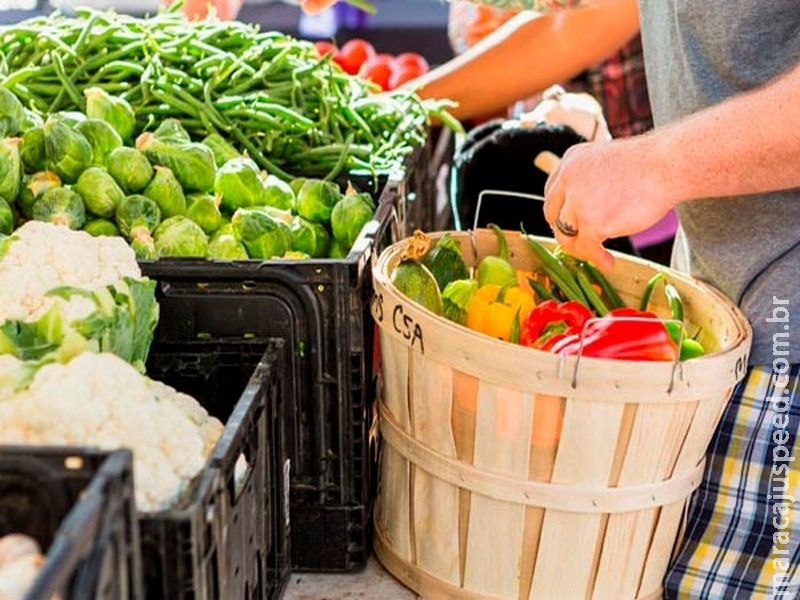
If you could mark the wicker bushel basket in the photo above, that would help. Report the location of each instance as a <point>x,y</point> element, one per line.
<point>507,472</point>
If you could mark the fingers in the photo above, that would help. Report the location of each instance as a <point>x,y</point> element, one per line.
<point>589,247</point>
<point>576,237</point>
<point>553,201</point>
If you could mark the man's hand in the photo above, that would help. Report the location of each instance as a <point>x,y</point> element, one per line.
<point>603,190</point>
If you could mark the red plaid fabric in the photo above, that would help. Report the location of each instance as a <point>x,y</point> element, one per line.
<point>619,84</point>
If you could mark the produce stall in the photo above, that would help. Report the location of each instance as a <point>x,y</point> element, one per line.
<point>219,252</point>
<point>192,210</point>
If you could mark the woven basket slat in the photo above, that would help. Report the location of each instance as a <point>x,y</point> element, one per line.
<point>496,528</point>
<point>395,470</point>
<point>435,502</point>
<point>512,473</point>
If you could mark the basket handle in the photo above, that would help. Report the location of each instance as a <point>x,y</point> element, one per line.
<point>587,327</point>
<point>506,193</point>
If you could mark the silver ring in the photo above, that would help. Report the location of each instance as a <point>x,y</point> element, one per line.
<point>565,228</point>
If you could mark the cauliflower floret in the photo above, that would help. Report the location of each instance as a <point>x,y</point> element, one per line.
<point>42,256</point>
<point>101,400</point>
<point>210,427</point>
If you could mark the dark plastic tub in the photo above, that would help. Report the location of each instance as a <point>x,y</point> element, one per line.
<point>320,308</point>
<point>224,540</point>
<point>78,504</point>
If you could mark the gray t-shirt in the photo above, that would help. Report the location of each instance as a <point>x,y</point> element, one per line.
<point>696,55</point>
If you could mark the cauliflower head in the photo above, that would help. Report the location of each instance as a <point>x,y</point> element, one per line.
<point>99,400</point>
<point>65,291</point>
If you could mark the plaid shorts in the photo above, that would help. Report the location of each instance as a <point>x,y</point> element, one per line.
<point>742,537</point>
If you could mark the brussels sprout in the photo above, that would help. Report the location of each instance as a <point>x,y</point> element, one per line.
<point>324,240</point>
<point>192,163</point>
<point>30,120</point>
<point>101,226</point>
<point>223,245</point>
<point>68,152</point>
<point>137,216</point>
<point>12,113</point>
<point>279,213</point>
<point>10,168</point>
<point>172,132</point>
<point>70,118</point>
<point>220,148</point>
<point>263,235</point>
<point>99,191</point>
<point>130,169</point>
<point>33,186</point>
<point>238,183</point>
<point>32,150</point>
<point>311,238</point>
<point>180,236</point>
<point>167,192</point>
<point>349,216</point>
<point>296,184</point>
<point>6,218</point>
<point>102,137</point>
<point>316,200</point>
<point>111,109</point>
<point>203,209</point>
<point>276,192</point>
<point>303,234</point>
<point>62,206</point>
<point>337,249</point>
<point>144,248</point>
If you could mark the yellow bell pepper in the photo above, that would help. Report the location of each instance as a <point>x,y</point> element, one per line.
<point>497,311</point>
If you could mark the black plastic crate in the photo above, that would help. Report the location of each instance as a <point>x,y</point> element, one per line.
<point>320,308</point>
<point>225,540</point>
<point>78,504</point>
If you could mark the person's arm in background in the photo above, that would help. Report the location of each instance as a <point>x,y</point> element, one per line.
<point>229,9</point>
<point>528,54</point>
<point>745,145</point>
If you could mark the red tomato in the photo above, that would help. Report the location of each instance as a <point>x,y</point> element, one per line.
<point>324,48</point>
<point>412,60</point>
<point>401,75</point>
<point>353,54</point>
<point>378,69</point>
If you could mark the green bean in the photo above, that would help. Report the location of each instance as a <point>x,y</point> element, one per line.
<point>558,273</point>
<point>605,285</point>
<point>84,35</point>
<point>540,289</point>
<point>648,290</point>
<point>258,156</point>
<point>69,86</point>
<point>675,301</point>
<point>274,96</point>
<point>292,117</point>
<point>595,301</point>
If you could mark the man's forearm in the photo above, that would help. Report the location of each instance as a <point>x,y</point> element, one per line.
<point>747,144</point>
<point>528,54</point>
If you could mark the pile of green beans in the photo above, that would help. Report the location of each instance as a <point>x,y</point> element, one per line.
<point>268,93</point>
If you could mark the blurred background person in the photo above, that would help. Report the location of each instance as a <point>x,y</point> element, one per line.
<point>229,9</point>
<point>505,59</point>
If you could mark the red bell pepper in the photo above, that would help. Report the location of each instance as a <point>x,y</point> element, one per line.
<point>624,334</point>
<point>551,321</point>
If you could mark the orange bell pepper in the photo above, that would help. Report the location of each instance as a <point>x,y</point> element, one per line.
<point>497,311</point>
